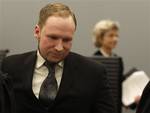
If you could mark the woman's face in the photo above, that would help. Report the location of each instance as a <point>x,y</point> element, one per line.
<point>110,39</point>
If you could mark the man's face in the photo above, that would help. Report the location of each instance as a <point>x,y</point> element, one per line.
<point>55,38</point>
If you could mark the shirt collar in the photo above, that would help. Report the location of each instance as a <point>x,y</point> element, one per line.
<point>61,64</point>
<point>104,53</point>
<point>40,61</point>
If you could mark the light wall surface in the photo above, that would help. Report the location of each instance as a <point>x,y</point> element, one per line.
<point>18,18</point>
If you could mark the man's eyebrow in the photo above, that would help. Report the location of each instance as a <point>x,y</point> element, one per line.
<point>59,36</point>
<point>52,35</point>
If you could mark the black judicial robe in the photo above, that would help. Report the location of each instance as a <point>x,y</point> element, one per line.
<point>144,105</point>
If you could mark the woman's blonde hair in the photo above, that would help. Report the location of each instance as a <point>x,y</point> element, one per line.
<point>101,28</point>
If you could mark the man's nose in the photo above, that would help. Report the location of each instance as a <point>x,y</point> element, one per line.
<point>59,45</point>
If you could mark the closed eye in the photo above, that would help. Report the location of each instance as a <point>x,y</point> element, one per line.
<point>67,39</point>
<point>53,37</point>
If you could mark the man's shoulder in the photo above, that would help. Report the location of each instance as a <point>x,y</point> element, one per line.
<point>87,67</point>
<point>85,61</point>
<point>16,60</point>
<point>21,56</point>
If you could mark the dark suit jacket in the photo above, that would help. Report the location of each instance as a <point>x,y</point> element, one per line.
<point>144,105</point>
<point>99,53</point>
<point>84,87</point>
<point>6,94</point>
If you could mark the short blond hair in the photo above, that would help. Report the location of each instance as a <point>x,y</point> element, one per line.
<point>101,28</point>
<point>55,9</point>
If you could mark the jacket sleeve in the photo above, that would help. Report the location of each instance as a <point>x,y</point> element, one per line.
<point>6,95</point>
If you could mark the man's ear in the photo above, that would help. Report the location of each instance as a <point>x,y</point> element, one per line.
<point>37,32</point>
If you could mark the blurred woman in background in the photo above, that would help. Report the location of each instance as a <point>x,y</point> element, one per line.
<point>105,37</point>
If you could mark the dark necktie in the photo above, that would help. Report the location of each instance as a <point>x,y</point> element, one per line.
<point>48,90</point>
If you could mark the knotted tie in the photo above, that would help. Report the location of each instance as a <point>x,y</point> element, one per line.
<point>48,90</point>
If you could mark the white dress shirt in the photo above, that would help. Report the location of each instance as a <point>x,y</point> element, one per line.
<point>41,72</point>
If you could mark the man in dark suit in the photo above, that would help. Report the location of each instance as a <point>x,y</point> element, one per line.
<point>53,79</point>
<point>144,105</point>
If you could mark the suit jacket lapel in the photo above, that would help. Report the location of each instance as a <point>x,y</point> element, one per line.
<point>29,71</point>
<point>29,64</point>
<point>67,77</point>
